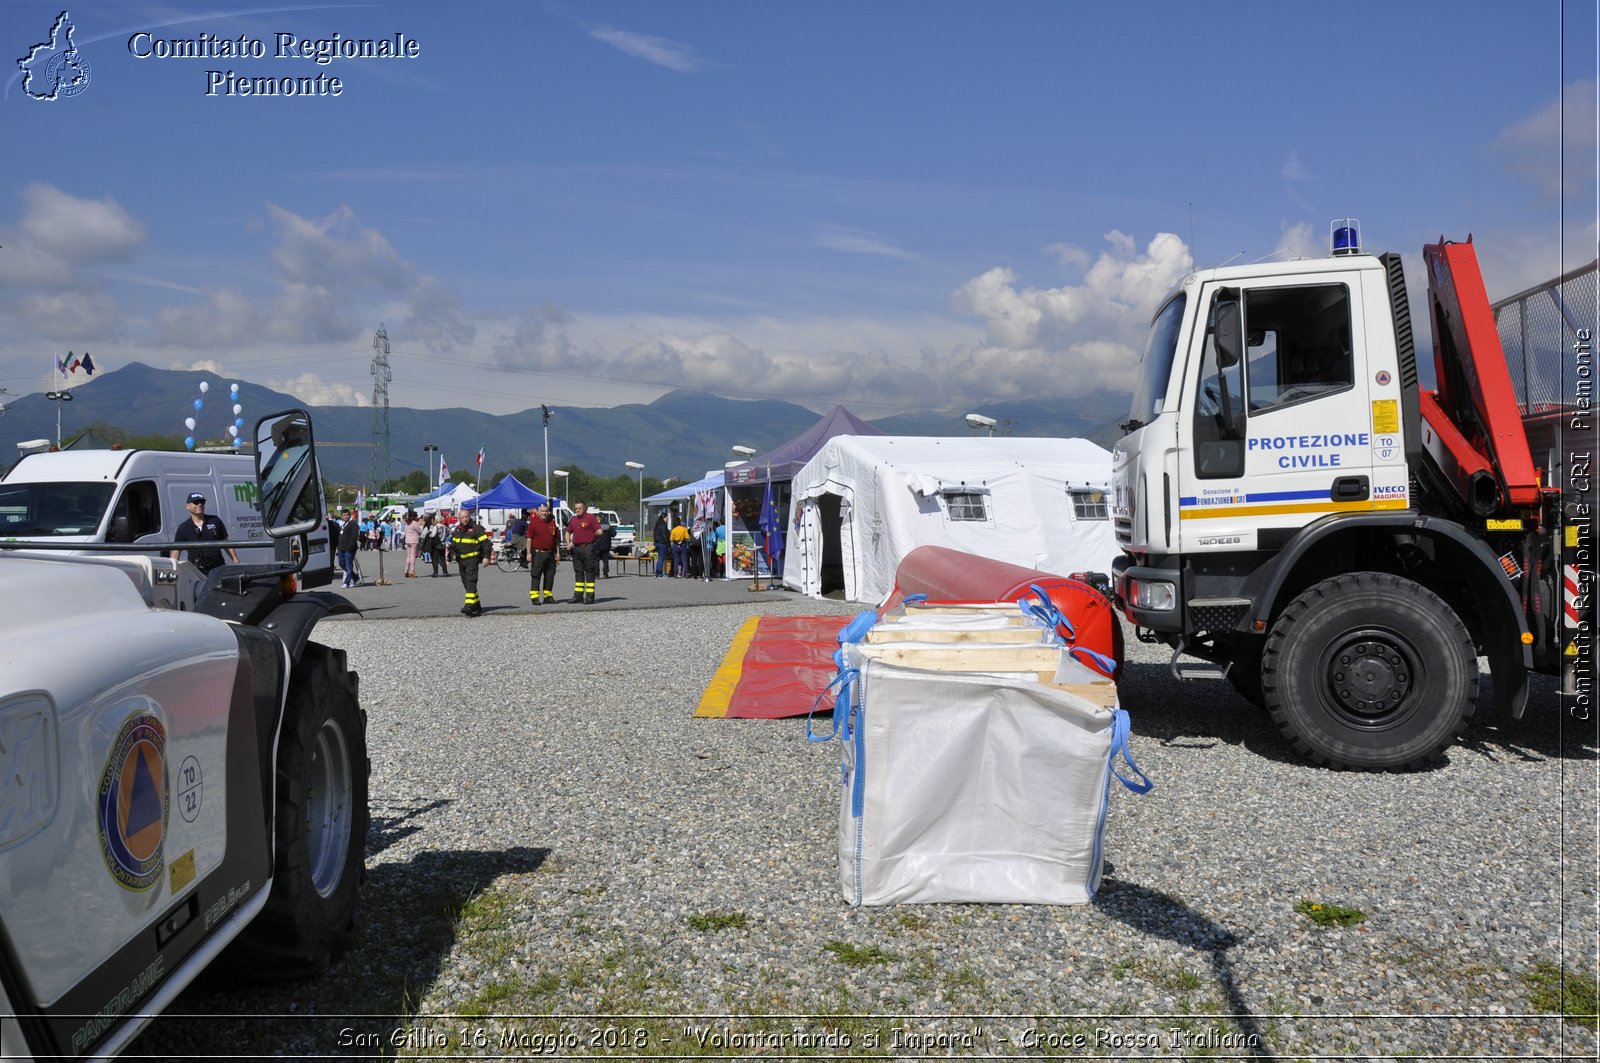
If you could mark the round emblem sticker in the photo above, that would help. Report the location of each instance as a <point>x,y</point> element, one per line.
<point>1384,377</point>
<point>132,803</point>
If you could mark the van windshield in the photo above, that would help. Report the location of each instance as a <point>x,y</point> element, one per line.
<point>40,510</point>
<point>1155,368</point>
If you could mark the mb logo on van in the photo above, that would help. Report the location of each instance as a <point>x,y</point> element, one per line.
<point>54,69</point>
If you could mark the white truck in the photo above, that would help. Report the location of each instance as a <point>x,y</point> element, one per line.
<point>137,496</point>
<point>1338,542</point>
<point>184,772</point>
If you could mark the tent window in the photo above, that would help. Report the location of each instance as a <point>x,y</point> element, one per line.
<point>1089,505</point>
<point>965,505</point>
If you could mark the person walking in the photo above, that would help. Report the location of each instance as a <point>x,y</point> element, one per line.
<point>203,527</point>
<point>472,546</point>
<point>661,535</point>
<point>434,542</point>
<point>680,550</point>
<point>582,531</point>
<point>602,548</point>
<point>544,551</point>
<point>349,543</point>
<point>412,537</point>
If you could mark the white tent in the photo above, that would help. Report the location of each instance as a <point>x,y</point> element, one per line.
<point>864,502</point>
<point>452,500</point>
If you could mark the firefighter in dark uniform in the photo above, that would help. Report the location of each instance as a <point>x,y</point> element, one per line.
<point>544,550</point>
<point>582,531</point>
<point>471,545</point>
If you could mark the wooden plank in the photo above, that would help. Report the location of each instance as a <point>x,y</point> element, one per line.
<point>1015,636</point>
<point>967,658</point>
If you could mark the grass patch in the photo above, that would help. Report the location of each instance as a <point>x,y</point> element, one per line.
<point>856,956</point>
<point>1565,992</point>
<point>707,921</point>
<point>1330,914</point>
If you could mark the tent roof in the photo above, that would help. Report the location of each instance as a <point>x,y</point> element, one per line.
<point>509,493</point>
<point>452,499</point>
<point>970,458</point>
<point>786,459</point>
<point>710,483</point>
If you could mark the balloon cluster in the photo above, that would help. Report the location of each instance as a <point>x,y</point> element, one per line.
<point>199,404</point>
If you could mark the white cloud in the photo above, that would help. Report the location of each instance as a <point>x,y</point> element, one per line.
<point>1293,169</point>
<point>1566,125</point>
<point>1301,240</point>
<point>314,391</point>
<point>78,230</point>
<point>72,316</point>
<point>673,55</point>
<point>858,242</point>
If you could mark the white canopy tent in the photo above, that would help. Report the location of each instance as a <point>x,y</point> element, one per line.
<point>451,500</point>
<point>864,502</point>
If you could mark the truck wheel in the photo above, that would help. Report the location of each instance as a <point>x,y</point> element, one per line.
<point>320,823</point>
<point>1369,671</point>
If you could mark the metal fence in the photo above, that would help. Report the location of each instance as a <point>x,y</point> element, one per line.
<point>1538,329</point>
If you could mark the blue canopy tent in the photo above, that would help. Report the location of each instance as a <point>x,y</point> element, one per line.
<point>509,493</point>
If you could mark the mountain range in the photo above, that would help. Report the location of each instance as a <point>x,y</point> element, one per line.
<point>682,434</point>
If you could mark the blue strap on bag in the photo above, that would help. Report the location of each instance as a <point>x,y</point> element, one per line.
<point>1119,748</point>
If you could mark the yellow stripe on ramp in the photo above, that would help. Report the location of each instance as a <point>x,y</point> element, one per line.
<point>719,692</point>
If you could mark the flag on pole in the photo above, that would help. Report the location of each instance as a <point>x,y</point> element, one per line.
<point>771,528</point>
<point>480,459</point>
<point>75,363</point>
<point>61,364</point>
<point>444,471</point>
<point>88,366</point>
<point>361,498</point>
<point>546,410</point>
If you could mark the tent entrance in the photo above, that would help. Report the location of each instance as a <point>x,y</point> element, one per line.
<point>831,570</point>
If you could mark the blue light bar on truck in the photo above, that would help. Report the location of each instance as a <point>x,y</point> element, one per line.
<point>1346,239</point>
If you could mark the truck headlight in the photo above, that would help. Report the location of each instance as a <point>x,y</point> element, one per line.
<point>1154,595</point>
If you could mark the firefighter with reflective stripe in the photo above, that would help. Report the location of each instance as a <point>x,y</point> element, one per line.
<point>544,550</point>
<point>582,531</point>
<point>471,545</point>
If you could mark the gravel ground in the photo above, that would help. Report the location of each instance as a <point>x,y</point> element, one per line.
<point>554,835</point>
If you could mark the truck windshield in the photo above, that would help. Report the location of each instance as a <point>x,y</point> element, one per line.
<point>1156,366</point>
<point>39,510</point>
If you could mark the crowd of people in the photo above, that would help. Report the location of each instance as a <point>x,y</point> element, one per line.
<point>690,551</point>
<point>534,537</point>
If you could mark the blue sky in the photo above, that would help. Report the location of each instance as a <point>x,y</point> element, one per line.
<point>894,205</point>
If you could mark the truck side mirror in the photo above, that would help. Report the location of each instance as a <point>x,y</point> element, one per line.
<point>289,486</point>
<point>1227,332</point>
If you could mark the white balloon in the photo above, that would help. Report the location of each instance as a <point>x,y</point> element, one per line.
<point>234,388</point>
<point>204,387</point>
<point>237,409</point>
<point>233,430</point>
<point>188,422</point>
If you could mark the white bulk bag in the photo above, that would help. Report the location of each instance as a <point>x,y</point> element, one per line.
<point>962,786</point>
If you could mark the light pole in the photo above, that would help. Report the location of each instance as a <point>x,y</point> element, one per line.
<point>58,397</point>
<point>563,474</point>
<point>546,410</point>
<point>638,534</point>
<point>978,420</point>
<point>432,449</point>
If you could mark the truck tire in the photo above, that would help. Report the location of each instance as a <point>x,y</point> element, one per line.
<point>1369,671</point>
<point>320,823</point>
<point>1244,673</point>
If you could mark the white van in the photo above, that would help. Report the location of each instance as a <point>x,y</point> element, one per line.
<point>132,496</point>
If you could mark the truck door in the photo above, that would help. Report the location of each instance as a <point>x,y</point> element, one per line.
<point>1280,429</point>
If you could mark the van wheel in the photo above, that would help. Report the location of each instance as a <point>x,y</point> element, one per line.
<point>320,826</point>
<point>1370,671</point>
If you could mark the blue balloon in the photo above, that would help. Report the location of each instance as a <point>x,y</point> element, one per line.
<point>188,441</point>
<point>198,404</point>
<point>238,422</point>
<point>237,441</point>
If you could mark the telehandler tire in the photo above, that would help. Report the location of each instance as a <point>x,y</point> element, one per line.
<point>320,825</point>
<point>1369,671</point>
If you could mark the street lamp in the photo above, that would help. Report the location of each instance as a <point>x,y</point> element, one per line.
<point>747,452</point>
<point>432,449</point>
<point>978,420</point>
<point>546,410</point>
<point>563,474</point>
<point>639,532</point>
<point>58,397</point>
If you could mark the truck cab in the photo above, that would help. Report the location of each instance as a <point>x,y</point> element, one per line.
<point>1300,517</point>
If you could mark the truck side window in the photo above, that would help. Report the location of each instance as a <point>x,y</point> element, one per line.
<point>1297,344</point>
<point>137,513</point>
